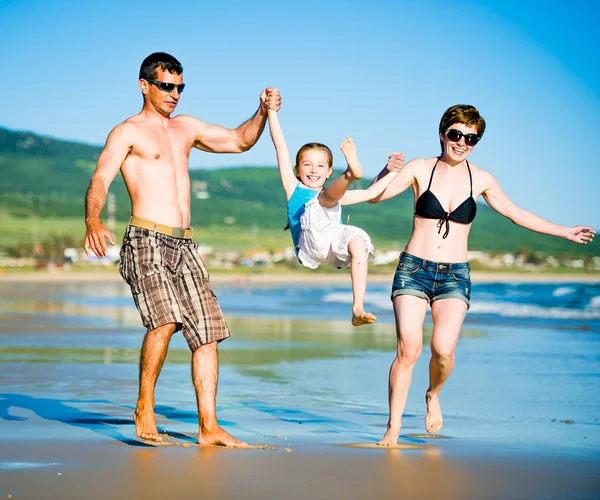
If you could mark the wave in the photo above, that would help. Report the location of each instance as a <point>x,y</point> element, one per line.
<point>498,308</point>
<point>564,290</point>
<point>512,310</point>
<point>594,303</point>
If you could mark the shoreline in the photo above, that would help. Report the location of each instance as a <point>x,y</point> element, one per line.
<point>287,278</point>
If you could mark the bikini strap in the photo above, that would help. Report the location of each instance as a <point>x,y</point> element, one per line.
<point>431,178</point>
<point>470,178</point>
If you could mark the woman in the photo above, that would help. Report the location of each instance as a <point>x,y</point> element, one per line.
<point>433,268</point>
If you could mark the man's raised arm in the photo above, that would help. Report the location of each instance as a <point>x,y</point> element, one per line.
<point>113,155</point>
<point>217,139</point>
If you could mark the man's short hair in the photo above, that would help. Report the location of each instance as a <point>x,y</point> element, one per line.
<point>161,60</point>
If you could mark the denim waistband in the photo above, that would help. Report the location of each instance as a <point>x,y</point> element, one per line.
<point>440,267</point>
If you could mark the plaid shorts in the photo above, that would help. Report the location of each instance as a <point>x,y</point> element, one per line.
<point>170,284</point>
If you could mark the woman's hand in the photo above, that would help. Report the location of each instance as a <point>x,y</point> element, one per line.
<point>580,234</point>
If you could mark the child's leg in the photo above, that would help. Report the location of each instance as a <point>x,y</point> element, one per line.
<point>336,188</point>
<point>357,248</point>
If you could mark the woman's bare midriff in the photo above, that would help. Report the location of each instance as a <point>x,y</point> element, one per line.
<point>428,244</point>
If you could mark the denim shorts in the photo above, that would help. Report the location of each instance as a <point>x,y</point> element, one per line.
<point>432,280</point>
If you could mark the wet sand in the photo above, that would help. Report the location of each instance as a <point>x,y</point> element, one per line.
<point>309,396</point>
<point>266,278</point>
<point>103,470</point>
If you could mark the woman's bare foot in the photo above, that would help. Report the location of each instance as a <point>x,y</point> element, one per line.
<point>349,149</point>
<point>433,420</point>
<point>360,317</point>
<point>145,425</point>
<point>390,438</point>
<point>219,437</point>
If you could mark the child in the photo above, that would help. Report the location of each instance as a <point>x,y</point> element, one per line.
<point>314,212</point>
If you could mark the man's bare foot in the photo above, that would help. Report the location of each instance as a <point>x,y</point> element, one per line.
<point>145,425</point>
<point>433,420</point>
<point>360,317</point>
<point>349,149</point>
<point>390,438</point>
<point>219,437</point>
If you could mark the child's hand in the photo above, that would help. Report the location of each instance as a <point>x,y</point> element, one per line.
<point>348,147</point>
<point>395,162</point>
<point>270,99</point>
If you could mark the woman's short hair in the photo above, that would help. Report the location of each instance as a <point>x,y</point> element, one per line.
<point>462,113</point>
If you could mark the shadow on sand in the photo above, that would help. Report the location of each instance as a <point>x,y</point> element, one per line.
<point>59,411</point>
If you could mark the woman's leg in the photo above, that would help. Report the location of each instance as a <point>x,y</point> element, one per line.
<point>357,248</point>
<point>409,312</point>
<point>448,316</point>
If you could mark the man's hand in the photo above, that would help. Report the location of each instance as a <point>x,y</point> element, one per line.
<point>95,235</point>
<point>395,162</point>
<point>270,99</point>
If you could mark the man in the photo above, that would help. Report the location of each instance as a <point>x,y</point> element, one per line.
<point>168,280</point>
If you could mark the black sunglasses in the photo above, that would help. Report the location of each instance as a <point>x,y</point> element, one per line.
<point>470,139</point>
<point>167,87</point>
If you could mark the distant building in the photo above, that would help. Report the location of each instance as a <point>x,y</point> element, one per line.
<point>200,190</point>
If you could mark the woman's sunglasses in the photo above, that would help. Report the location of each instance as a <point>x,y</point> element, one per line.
<point>167,87</point>
<point>470,139</point>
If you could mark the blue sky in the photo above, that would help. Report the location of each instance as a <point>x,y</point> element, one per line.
<point>382,72</point>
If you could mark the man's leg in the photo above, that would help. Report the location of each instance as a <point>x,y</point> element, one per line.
<point>357,248</point>
<point>409,312</point>
<point>448,316</point>
<point>152,357</point>
<point>205,374</point>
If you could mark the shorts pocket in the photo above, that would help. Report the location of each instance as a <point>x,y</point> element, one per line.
<point>462,276</point>
<point>147,283</point>
<point>125,260</point>
<point>407,267</point>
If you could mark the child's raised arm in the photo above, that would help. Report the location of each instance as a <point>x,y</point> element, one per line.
<point>286,169</point>
<point>376,188</point>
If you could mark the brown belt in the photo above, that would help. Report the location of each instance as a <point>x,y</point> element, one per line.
<point>176,232</point>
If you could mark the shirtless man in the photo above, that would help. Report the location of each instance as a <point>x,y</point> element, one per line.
<point>159,260</point>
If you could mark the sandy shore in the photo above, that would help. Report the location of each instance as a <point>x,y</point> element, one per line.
<point>100,470</point>
<point>342,277</point>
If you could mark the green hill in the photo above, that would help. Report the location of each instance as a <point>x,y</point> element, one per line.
<point>43,183</point>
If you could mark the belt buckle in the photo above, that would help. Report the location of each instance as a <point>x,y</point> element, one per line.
<point>178,232</point>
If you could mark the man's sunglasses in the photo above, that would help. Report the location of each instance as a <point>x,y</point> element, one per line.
<point>470,139</point>
<point>167,87</point>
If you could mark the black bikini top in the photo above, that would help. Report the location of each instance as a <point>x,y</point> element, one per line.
<point>429,207</point>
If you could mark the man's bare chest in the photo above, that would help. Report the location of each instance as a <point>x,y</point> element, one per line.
<point>170,147</point>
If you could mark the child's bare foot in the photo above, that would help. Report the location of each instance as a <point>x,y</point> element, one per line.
<point>349,149</point>
<point>360,317</point>
<point>433,420</point>
<point>145,425</point>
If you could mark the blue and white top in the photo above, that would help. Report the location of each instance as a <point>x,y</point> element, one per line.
<point>295,209</point>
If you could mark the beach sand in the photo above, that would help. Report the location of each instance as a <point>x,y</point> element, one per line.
<point>266,278</point>
<point>309,396</point>
<point>103,470</point>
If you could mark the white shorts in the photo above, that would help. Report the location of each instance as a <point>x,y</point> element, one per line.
<point>324,239</point>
